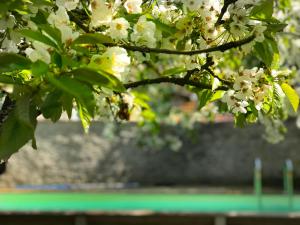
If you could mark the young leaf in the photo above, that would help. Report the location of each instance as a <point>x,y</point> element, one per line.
<point>53,32</point>
<point>57,59</point>
<point>267,52</point>
<point>52,107</point>
<point>39,68</point>
<point>292,95</point>
<point>84,117</point>
<point>77,89</point>
<point>204,97</point>
<point>18,128</point>
<point>40,18</point>
<point>217,95</point>
<point>67,104</point>
<point>90,76</point>
<point>10,62</point>
<point>114,83</point>
<point>93,39</point>
<point>240,120</point>
<point>6,79</point>
<point>174,71</point>
<point>38,36</point>
<point>100,78</point>
<point>264,10</point>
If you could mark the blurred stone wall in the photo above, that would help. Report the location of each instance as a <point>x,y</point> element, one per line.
<point>215,154</point>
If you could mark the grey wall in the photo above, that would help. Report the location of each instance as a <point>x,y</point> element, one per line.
<point>216,154</point>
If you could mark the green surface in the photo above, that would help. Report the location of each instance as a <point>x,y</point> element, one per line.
<point>153,202</point>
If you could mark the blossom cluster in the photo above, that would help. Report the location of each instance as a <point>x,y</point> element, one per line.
<point>248,86</point>
<point>153,29</point>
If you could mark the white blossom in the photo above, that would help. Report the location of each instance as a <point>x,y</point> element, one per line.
<point>144,33</point>
<point>133,6</point>
<point>237,29</point>
<point>68,35</point>
<point>9,46</point>
<point>240,107</point>
<point>119,29</point>
<point>102,13</point>
<point>114,60</point>
<point>68,4</point>
<point>40,52</point>
<point>193,5</point>
<point>60,18</point>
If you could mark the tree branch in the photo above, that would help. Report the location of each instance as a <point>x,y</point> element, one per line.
<point>78,22</point>
<point>171,80</point>
<point>222,48</point>
<point>190,73</point>
<point>224,10</point>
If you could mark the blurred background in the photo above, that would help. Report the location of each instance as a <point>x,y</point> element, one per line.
<point>111,155</point>
<point>206,174</point>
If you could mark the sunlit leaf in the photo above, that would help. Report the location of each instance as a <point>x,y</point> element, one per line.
<point>292,95</point>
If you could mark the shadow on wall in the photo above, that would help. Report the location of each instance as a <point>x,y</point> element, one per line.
<point>217,154</point>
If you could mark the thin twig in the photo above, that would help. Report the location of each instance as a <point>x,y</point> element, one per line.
<point>227,3</point>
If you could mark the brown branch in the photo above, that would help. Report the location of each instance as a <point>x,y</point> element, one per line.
<point>224,10</point>
<point>190,73</point>
<point>171,80</point>
<point>221,48</point>
<point>78,22</point>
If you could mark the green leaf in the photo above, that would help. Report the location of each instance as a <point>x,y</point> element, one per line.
<point>57,59</point>
<point>253,109</point>
<point>217,95</point>
<point>292,95</point>
<point>204,97</point>
<point>38,36</point>
<point>67,104</point>
<point>276,27</point>
<point>90,76</point>
<point>166,29</point>
<point>174,71</point>
<point>39,68</point>
<point>99,78</point>
<point>285,4</point>
<point>40,18</point>
<point>52,107</point>
<point>18,128</point>
<point>93,39</point>
<point>10,62</point>
<point>7,79</point>
<point>81,91</point>
<point>277,98</point>
<point>84,117</point>
<point>263,11</point>
<point>267,52</point>
<point>114,83</point>
<point>53,32</point>
<point>240,120</point>
<point>26,112</point>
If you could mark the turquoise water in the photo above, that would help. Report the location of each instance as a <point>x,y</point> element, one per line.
<point>152,202</point>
